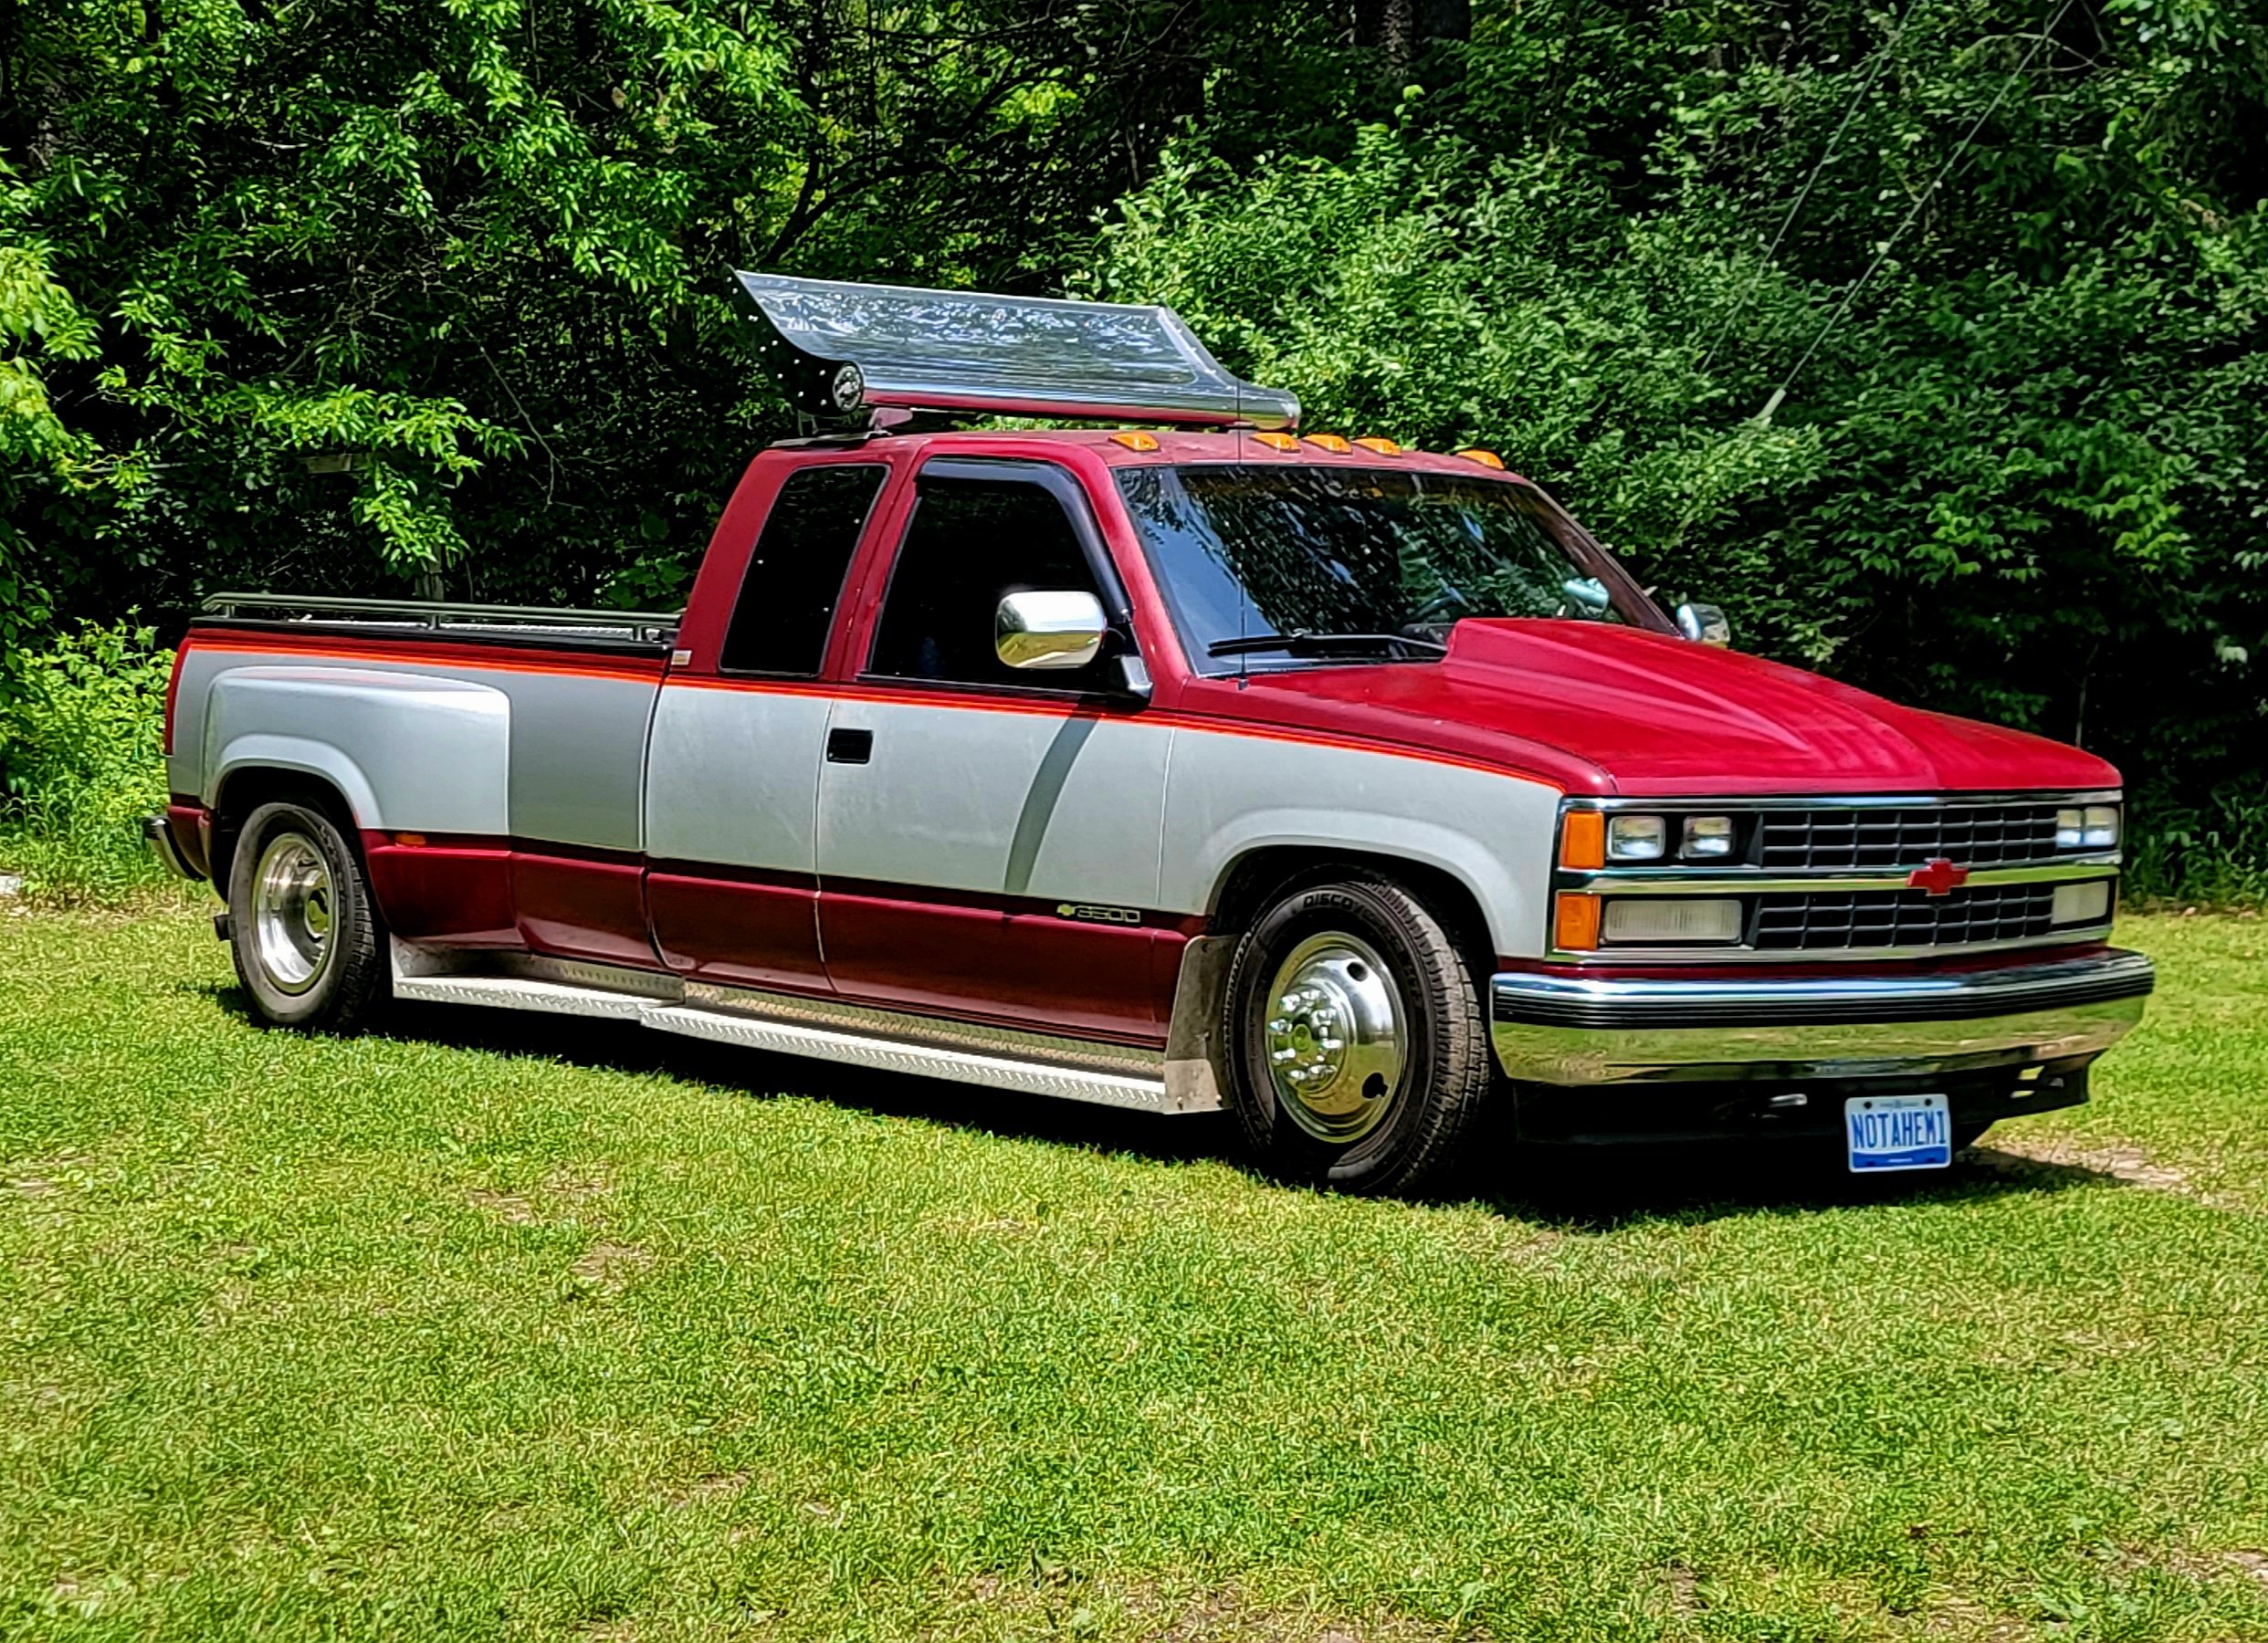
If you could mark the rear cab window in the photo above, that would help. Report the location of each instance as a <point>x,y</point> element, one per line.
<point>795,575</point>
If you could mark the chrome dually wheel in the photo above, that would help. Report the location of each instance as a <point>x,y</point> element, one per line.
<point>302,922</point>
<point>1359,1055</point>
<point>1337,1042</point>
<point>291,911</point>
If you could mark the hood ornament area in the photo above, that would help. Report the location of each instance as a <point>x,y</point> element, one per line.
<point>1937,876</point>
<point>839,349</point>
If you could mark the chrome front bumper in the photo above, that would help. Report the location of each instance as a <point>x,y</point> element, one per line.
<point>1583,1030</point>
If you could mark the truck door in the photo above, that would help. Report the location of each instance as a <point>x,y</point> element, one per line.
<point>732,766</point>
<point>988,837</point>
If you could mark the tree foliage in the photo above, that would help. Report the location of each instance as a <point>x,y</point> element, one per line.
<point>1926,337</point>
<point>332,293</point>
<point>1929,341</point>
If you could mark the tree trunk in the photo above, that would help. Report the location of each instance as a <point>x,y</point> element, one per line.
<point>1390,28</point>
<point>1398,29</point>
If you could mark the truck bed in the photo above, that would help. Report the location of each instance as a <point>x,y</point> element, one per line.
<point>515,733</point>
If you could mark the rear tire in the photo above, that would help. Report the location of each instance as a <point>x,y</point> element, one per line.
<point>303,928</point>
<point>1357,1049</point>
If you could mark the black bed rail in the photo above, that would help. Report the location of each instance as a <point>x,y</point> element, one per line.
<point>490,622</point>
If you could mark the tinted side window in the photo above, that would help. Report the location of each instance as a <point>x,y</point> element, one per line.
<point>795,576</point>
<point>970,542</point>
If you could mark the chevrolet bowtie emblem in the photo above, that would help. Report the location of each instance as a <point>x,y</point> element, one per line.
<point>1937,876</point>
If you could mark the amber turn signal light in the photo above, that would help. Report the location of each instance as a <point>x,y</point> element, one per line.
<point>1575,921</point>
<point>1582,839</point>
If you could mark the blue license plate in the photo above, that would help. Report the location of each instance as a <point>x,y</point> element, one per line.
<point>1898,1132</point>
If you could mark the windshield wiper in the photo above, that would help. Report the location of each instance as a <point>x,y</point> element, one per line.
<point>1301,643</point>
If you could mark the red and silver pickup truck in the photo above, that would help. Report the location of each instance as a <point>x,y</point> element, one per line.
<point>1205,765</point>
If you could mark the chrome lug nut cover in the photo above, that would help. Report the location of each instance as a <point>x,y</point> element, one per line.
<point>1337,1042</point>
<point>291,912</point>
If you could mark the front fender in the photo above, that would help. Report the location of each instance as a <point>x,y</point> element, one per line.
<point>1491,832</point>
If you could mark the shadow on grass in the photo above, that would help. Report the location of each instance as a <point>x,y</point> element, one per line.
<point>625,1047</point>
<point>1619,1187</point>
<point>1573,1190</point>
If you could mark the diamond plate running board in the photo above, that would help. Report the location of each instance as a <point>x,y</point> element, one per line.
<point>655,1001</point>
<point>963,1066</point>
<point>517,992</point>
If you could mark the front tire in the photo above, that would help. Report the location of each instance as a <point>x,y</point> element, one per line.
<point>304,929</point>
<point>1358,1052</point>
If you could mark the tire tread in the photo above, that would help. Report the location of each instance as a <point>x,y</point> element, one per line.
<point>1463,1066</point>
<point>358,986</point>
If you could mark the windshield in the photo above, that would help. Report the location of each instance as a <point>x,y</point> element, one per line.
<point>1261,564</point>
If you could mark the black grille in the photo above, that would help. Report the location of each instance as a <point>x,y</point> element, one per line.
<point>1844,838</point>
<point>1900,918</point>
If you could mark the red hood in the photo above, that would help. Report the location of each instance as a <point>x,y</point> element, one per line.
<point>1642,713</point>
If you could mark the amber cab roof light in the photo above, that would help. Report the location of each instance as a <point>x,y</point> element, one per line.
<point>1384,447</point>
<point>1134,439</point>
<point>1335,444</point>
<point>1485,458</point>
<point>1277,441</point>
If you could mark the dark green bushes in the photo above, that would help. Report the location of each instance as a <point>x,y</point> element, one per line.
<point>1982,424</point>
<point>80,724</point>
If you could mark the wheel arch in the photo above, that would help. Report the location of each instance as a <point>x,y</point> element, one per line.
<point>1197,1072</point>
<point>1260,875</point>
<point>246,785</point>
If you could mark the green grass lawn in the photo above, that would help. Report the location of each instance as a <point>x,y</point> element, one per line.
<point>519,1328</point>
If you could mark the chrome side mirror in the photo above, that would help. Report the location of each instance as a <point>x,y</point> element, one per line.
<point>1049,630</point>
<point>1704,624</point>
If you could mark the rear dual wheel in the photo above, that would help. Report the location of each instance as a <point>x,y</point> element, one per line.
<point>1359,1050</point>
<point>303,928</point>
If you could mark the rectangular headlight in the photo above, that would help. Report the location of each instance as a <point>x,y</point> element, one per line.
<point>1636,838</point>
<point>1657,920</point>
<point>1707,837</point>
<point>2093,827</point>
<point>2087,901</point>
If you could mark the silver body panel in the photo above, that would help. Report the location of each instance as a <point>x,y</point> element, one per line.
<point>1004,801</point>
<point>433,747</point>
<point>405,750</point>
<point>1232,794</point>
<point>732,778</point>
<point>578,759</point>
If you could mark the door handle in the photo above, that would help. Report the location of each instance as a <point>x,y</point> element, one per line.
<point>849,746</point>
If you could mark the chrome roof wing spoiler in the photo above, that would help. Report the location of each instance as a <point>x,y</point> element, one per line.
<point>838,350</point>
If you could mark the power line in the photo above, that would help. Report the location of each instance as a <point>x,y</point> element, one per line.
<point>1849,296</point>
<point>1850,111</point>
